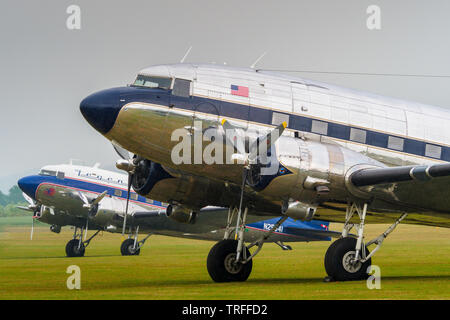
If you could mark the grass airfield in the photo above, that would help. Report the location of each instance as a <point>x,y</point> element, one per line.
<point>414,262</point>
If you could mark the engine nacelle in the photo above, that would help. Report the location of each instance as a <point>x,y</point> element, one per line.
<point>298,210</point>
<point>181,214</point>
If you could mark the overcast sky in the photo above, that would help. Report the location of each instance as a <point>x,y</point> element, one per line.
<point>47,69</point>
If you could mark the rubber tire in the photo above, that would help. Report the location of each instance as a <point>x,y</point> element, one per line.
<point>125,248</point>
<point>72,248</point>
<point>333,261</point>
<point>216,262</point>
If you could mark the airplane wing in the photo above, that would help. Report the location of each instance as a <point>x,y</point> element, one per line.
<point>419,188</point>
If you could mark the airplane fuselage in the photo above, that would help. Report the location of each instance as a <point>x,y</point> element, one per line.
<point>330,130</point>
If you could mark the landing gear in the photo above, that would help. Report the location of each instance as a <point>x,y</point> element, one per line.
<point>348,258</point>
<point>131,246</point>
<point>230,260</point>
<point>128,249</point>
<point>340,262</point>
<point>222,264</point>
<point>76,247</point>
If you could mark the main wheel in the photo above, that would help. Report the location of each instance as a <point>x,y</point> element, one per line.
<point>72,249</point>
<point>338,261</point>
<point>221,263</point>
<point>127,248</point>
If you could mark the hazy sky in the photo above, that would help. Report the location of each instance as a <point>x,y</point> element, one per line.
<point>46,69</point>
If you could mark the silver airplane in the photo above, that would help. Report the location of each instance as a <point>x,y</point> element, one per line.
<point>90,198</point>
<point>339,155</point>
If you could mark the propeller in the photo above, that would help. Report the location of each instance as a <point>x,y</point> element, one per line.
<point>261,143</point>
<point>128,163</point>
<point>34,207</point>
<point>251,159</point>
<point>91,205</point>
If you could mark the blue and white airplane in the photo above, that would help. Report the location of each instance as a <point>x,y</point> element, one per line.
<point>339,155</point>
<point>90,198</point>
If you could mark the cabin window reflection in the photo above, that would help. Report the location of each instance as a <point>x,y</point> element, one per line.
<point>134,196</point>
<point>319,127</point>
<point>60,175</point>
<point>358,135</point>
<point>433,151</point>
<point>395,143</point>
<point>182,88</point>
<point>118,193</point>
<point>153,82</point>
<point>279,118</point>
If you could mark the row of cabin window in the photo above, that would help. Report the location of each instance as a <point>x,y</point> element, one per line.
<point>359,135</point>
<point>133,196</point>
<point>182,88</point>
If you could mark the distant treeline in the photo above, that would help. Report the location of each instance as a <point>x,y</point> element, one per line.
<point>8,203</point>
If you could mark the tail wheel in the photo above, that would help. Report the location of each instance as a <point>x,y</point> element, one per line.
<point>74,248</point>
<point>338,261</point>
<point>127,248</point>
<point>221,263</point>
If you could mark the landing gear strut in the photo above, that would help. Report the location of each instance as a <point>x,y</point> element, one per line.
<point>131,246</point>
<point>76,247</point>
<point>230,260</point>
<point>348,258</point>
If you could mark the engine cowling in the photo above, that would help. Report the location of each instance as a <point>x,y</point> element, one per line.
<point>181,214</point>
<point>298,210</point>
<point>146,175</point>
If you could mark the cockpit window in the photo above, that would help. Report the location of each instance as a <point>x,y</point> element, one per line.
<point>152,82</point>
<point>44,172</point>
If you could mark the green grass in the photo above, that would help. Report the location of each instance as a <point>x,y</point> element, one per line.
<point>414,261</point>
<point>17,221</point>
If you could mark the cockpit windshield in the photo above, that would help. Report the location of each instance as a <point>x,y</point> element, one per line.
<point>152,82</point>
<point>44,172</point>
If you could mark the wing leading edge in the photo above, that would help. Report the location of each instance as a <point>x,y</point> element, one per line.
<point>414,189</point>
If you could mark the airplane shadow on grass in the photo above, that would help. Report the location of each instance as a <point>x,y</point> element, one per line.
<point>280,281</point>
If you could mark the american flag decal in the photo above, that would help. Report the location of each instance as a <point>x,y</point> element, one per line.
<point>239,90</point>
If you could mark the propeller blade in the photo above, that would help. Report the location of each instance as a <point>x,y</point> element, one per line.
<point>32,228</point>
<point>268,140</point>
<point>130,177</point>
<point>83,198</point>
<point>122,152</point>
<point>238,138</point>
<point>25,208</point>
<point>99,198</point>
<point>29,199</point>
<point>244,181</point>
<point>85,232</point>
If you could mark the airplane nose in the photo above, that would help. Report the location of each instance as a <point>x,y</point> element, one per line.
<point>28,185</point>
<point>100,109</point>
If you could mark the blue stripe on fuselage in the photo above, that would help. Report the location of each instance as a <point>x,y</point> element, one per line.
<point>84,185</point>
<point>296,122</point>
